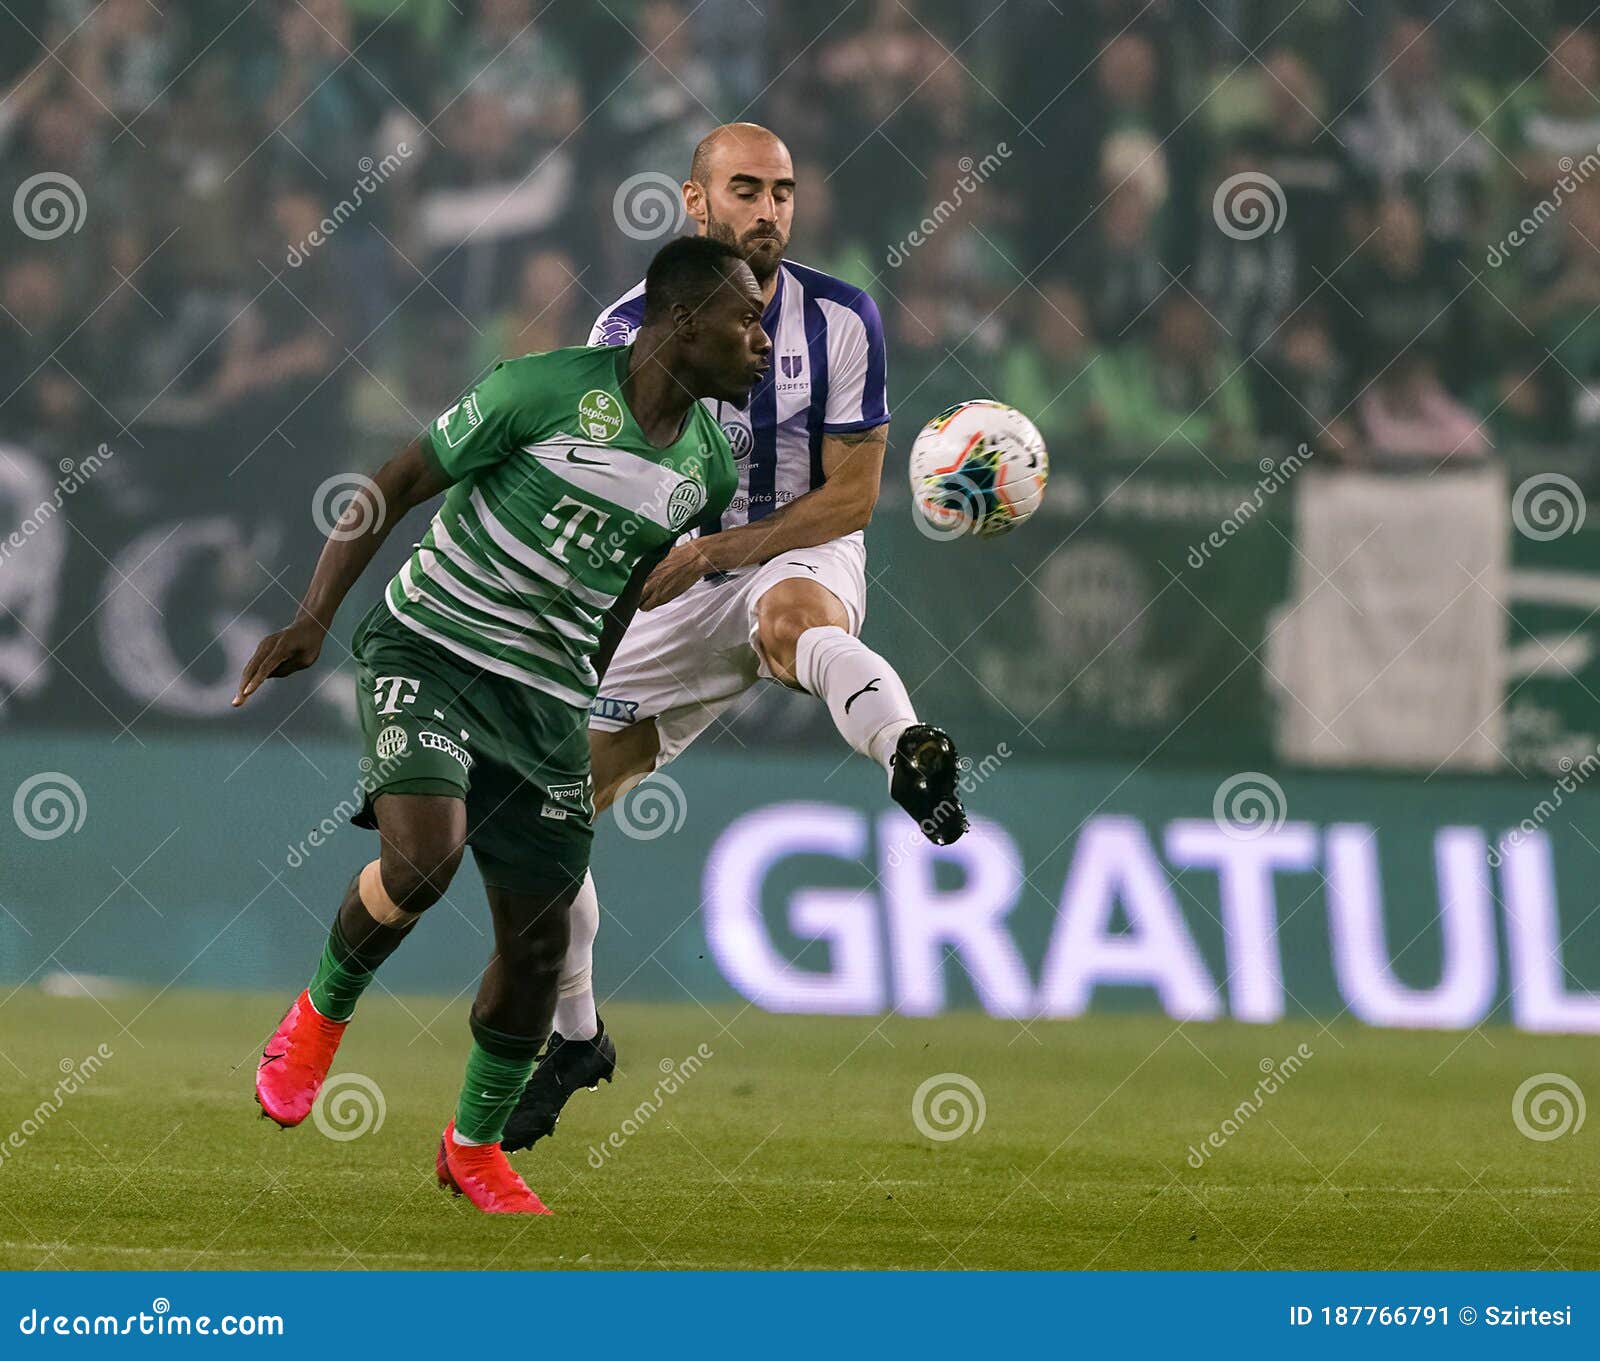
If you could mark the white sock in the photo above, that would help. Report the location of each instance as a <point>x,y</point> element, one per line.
<point>868,701</point>
<point>465,1142</point>
<point>575,1013</point>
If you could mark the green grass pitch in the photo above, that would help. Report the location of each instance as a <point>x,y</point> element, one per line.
<point>794,1146</point>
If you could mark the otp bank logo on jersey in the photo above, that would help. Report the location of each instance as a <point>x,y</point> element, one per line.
<point>599,415</point>
<point>459,421</point>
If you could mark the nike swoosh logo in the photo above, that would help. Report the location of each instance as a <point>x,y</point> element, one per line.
<point>267,1058</point>
<point>870,685</point>
<point>806,565</point>
<point>573,456</point>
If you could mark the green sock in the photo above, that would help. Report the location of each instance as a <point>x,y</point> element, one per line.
<point>497,1070</point>
<point>340,978</point>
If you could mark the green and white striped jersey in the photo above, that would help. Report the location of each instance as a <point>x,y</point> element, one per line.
<point>555,496</point>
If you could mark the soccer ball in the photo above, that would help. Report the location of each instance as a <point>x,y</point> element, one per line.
<point>978,468</point>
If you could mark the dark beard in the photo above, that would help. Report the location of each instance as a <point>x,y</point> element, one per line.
<point>762,267</point>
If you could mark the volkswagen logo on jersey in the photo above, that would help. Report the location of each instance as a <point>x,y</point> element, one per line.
<point>739,438</point>
<point>685,502</point>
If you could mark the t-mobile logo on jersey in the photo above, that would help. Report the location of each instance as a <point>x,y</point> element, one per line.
<point>569,528</point>
<point>390,692</point>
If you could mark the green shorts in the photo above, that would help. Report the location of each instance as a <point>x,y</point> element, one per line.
<point>432,723</point>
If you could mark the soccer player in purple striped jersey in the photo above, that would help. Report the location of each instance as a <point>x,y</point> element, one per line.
<point>775,589</point>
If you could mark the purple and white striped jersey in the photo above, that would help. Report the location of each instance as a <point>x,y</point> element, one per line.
<point>827,378</point>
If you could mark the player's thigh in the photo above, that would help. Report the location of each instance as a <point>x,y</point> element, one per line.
<point>414,773</point>
<point>678,668</point>
<point>620,758</point>
<point>785,610</point>
<point>422,838</point>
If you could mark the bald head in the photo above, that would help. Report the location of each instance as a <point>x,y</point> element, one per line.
<point>736,140</point>
<point>740,191</point>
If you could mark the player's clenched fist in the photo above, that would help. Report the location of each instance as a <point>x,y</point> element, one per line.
<point>281,654</point>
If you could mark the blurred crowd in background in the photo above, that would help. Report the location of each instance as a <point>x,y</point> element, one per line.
<point>1028,189</point>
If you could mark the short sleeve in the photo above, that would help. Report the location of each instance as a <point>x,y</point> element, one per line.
<point>857,368</point>
<point>484,426</point>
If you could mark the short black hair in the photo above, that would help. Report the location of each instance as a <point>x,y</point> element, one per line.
<point>687,270</point>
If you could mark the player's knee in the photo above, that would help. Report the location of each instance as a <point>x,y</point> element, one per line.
<point>779,630</point>
<point>535,958</point>
<point>538,945</point>
<point>418,867</point>
<point>783,614</point>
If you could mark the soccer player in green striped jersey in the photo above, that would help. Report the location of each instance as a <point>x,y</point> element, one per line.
<point>567,476</point>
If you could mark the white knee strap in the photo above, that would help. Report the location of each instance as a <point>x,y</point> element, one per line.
<point>375,898</point>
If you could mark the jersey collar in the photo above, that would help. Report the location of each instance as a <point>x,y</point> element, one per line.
<point>769,318</point>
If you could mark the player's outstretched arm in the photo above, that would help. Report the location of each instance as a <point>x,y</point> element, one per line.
<point>852,469</point>
<point>406,480</point>
<point>852,466</point>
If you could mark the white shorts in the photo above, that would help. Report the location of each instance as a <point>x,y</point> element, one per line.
<point>688,661</point>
